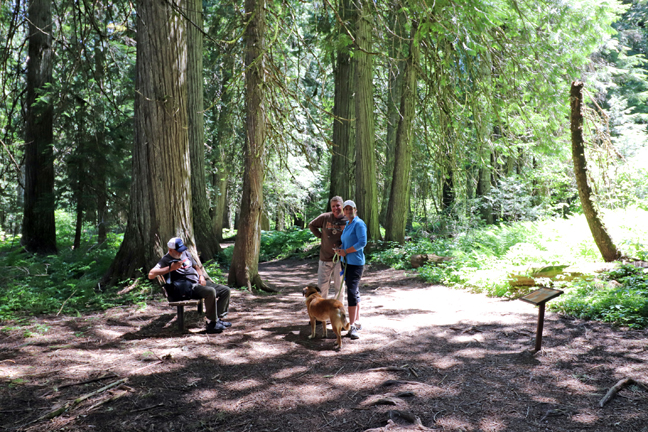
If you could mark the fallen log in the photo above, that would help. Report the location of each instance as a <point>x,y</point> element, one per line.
<point>421,259</point>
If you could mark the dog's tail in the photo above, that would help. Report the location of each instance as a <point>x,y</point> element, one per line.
<point>345,322</point>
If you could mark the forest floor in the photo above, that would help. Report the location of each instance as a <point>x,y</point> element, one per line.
<point>428,358</point>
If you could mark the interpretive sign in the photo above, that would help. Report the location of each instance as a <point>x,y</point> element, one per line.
<point>540,298</point>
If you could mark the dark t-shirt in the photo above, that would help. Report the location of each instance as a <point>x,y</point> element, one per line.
<point>331,229</point>
<point>186,272</point>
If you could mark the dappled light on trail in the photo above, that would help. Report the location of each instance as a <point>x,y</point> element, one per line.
<point>458,361</point>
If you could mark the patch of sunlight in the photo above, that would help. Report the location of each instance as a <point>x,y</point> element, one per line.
<point>109,334</point>
<point>289,372</point>
<point>544,399</point>
<point>446,363</point>
<point>492,423</point>
<point>243,384</point>
<point>586,417</point>
<point>575,384</point>
<point>266,349</point>
<point>453,423</point>
<point>356,380</point>
<point>467,338</point>
<point>231,357</point>
<point>474,353</point>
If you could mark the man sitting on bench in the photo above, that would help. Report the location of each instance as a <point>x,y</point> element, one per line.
<point>186,280</point>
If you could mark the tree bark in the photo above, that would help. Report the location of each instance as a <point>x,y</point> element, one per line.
<point>396,71</point>
<point>100,154</point>
<point>342,173</point>
<point>244,270</point>
<point>160,200</point>
<point>601,237</point>
<point>366,197</point>
<point>206,236</point>
<point>220,146</point>
<point>39,229</point>
<point>398,209</point>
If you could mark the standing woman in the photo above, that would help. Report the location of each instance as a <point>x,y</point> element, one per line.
<point>354,239</point>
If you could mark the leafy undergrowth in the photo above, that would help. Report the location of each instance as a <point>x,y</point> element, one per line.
<point>66,283</point>
<point>624,303</point>
<point>484,258</point>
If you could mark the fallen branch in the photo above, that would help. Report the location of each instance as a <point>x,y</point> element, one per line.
<point>104,376</point>
<point>615,389</point>
<point>387,369</point>
<point>161,404</point>
<point>110,399</point>
<point>57,412</point>
<point>394,382</point>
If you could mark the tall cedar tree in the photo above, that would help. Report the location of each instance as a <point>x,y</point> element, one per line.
<point>160,200</point>
<point>206,237</point>
<point>244,270</point>
<point>220,174</point>
<point>398,208</point>
<point>395,71</point>
<point>601,237</point>
<point>344,110</point>
<point>39,229</point>
<point>366,197</point>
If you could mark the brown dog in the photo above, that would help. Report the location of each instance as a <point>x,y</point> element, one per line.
<point>325,310</point>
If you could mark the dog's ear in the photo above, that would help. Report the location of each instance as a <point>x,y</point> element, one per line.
<point>315,287</point>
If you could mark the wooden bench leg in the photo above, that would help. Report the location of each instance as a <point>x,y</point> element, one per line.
<point>200,306</point>
<point>181,318</point>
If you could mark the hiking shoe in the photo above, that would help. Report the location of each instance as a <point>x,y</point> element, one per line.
<point>214,327</point>
<point>357,325</point>
<point>225,324</point>
<point>353,332</point>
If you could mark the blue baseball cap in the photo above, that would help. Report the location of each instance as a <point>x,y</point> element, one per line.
<point>176,243</point>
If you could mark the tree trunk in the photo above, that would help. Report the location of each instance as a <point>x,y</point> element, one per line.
<point>220,143</point>
<point>100,161</point>
<point>206,237</point>
<point>244,270</point>
<point>79,174</point>
<point>39,230</point>
<point>484,184</point>
<point>448,195</point>
<point>160,200</point>
<point>398,208</point>
<point>599,232</point>
<point>220,213</point>
<point>366,197</point>
<point>342,173</point>
<point>396,71</point>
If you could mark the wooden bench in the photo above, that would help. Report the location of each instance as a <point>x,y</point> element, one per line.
<point>180,304</point>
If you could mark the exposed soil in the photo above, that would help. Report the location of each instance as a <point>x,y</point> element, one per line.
<point>453,360</point>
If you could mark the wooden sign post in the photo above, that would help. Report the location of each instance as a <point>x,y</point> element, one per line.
<point>539,298</point>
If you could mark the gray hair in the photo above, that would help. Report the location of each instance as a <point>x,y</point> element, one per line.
<point>338,199</point>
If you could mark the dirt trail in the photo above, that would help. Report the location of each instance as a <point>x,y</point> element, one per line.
<point>457,363</point>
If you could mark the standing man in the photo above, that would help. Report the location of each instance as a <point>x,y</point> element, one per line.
<point>186,280</point>
<point>328,227</point>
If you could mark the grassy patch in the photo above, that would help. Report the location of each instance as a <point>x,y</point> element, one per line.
<point>66,282</point>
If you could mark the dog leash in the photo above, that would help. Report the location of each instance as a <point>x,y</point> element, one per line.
<point>337,258</point>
